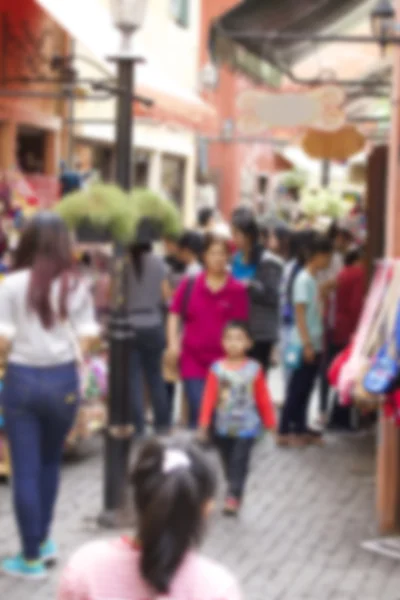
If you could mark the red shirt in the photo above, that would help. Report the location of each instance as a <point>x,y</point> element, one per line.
<point>207,314</point>
<point>350,294</point>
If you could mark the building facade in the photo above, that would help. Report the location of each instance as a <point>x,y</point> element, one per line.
<point>241,169</point>
<point>31,112</point>
<point>165,135</point>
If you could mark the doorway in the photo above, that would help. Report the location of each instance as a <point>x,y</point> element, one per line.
<point>31,149</point>
<point>141,168</point>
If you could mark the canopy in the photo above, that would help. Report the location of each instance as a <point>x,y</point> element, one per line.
<point>245,24</point>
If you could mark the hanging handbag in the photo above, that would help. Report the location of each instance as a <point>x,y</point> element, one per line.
<point>293,356</point>
<point>383,372</point>
<point>385,367</point>
<point>380,303</point>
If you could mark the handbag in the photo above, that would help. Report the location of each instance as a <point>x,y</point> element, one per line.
<point>385,366</point>
<point>380,310</point>
<point>382,373</point>
<point>293,356</point>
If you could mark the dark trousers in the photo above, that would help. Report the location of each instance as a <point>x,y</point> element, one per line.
<point>330,353</point>
<point>40,406</point>
<point>261,352</point>
<point>194,390</point>
<point>146,367</point>
<point>300,386</point>
<point>235,455</point>
<point>170,390</point>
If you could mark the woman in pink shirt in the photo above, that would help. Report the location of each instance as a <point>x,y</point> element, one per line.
<point>204,305</point>
<point>174,486</point>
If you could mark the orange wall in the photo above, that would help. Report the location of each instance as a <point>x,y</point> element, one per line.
<point>222,156</point>
<point>228,159</point>
<point>22,61</point>
<point>32,39</point>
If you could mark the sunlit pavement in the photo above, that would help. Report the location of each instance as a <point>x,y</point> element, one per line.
<point>298,537</point>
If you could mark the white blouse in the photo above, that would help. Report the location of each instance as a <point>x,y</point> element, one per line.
<point>32,344</point>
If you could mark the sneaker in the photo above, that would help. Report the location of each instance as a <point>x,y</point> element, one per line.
<point>48,553</point>
<point>231,507</point>
<point>24,569</point>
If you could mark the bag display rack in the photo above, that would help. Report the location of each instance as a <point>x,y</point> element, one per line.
<point>368,375</point>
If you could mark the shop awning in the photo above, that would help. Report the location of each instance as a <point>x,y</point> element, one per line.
<point>172,102</point>
<point>244,25</point>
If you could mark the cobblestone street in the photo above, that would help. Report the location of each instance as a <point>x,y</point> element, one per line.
<point>298,537</point>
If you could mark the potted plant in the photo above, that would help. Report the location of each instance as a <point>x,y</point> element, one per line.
<point>293,182</point>
<point>99,213</point>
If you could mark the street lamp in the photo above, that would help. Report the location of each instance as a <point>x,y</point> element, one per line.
<point>383,22</point>
<point>128,17</point>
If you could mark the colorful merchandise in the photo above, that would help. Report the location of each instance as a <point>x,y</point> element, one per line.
<point>94,379</point>
<point>367,372</point>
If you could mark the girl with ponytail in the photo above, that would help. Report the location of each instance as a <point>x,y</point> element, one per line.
<point>174,483</point>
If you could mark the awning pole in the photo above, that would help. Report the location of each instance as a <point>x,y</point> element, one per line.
<point>325,173</point>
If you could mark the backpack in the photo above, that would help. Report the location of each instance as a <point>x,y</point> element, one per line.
<point>187,296</point>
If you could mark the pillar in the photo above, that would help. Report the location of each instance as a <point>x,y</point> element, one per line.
<point>52,153</point>
<point>155,182</point>
<point>388,463</point>
<point>8,145</point>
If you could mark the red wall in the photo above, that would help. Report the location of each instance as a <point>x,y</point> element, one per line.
<point>22,60</point>
<point>228,159</point>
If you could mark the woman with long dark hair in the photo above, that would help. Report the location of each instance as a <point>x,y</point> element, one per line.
<point>260,270</point>
<point>174,486</point>
<point>148,291</point>
<point>46,312</point>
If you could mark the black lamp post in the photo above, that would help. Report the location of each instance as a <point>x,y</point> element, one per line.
<point>383,22</point>
<point>128,17</point>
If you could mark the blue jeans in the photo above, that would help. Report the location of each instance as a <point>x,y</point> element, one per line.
<point>40,405</point>
<point>146,366</point>
<point>194,390</point>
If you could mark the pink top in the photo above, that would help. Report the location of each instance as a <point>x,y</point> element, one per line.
<point>207,313</point>
<point>104,570</point>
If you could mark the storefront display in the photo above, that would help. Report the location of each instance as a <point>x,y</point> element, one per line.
<point>368,374</point>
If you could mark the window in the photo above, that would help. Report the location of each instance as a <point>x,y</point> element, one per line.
<point>173,178</point>
<point>31,149</point>
<point>180,12</point>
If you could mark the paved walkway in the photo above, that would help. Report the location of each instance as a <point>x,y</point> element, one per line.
<point>298,537</point>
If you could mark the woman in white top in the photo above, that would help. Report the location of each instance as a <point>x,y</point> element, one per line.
<point>46,312</point>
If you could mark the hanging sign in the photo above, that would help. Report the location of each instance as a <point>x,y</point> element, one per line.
<point>260,111</point>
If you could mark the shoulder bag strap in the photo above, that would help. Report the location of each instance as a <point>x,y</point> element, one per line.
<point>186,299</point>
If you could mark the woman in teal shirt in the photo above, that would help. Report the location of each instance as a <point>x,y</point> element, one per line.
<point>306,340</point>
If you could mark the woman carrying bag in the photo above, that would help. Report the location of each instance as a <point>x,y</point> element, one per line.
<point>46,320</point>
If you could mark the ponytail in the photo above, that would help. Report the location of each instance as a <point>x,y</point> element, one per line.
<point>172,483</point>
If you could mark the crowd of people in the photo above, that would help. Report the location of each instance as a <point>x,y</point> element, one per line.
<point>208,314</point>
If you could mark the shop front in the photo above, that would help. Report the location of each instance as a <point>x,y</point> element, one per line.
<point>31,113</point>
